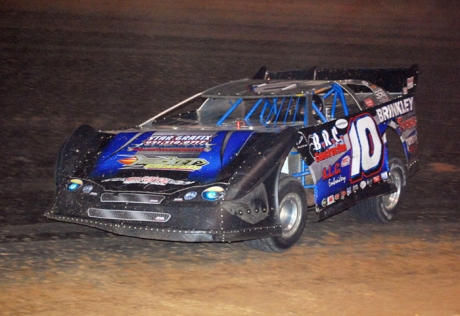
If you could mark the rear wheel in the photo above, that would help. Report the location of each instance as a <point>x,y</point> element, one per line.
<point>383,209</point>
<point>292,212</point>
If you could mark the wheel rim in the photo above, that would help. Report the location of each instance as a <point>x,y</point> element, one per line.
<point>290,214</point>
<point>391,200</point>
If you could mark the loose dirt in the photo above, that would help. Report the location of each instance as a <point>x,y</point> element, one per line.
<point>362,276</point>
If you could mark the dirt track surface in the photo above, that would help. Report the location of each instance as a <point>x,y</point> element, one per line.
<point>337,275</point>
<point>114,64</point>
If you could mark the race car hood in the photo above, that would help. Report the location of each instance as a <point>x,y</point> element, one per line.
<point>165,161</point>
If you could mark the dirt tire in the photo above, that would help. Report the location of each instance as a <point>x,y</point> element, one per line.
<point>383,209</point>
<point>292,215</point>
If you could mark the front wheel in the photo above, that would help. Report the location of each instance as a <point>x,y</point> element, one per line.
<point>292,213</point>
<point>383,209</point>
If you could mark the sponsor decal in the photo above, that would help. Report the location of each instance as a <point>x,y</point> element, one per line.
<point>413,148</point>
<point>369,102</point>
<point>321,150</point>
<point>384,176</point>
<point>395,109</point>
<point>355,188</point>
<point>190,195</point>
<point>341,123</point>
<point>330,199</point>
<point>330,171</point>
<point>376,179</point>
<point>410,83</point>
<point>406,124</point>
<point>324,202</point>
<point>331,152</point>
<point>411,140</point>
<point>381,95</point>
<point>149,180</point>
<point>199,142</point>
<point>326,140</point>
<point>163,163</point>
<point>349,191</point>
<point>170,149</point>
<point>345,161</point>
<point>336,180</point>
<point>160,219</point>
<point>87,189</point>
<point>318,145</point>
<point>362,184</point>
<point>183,140</point>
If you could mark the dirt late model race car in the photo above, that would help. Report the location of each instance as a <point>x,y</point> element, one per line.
<point>247,160</point>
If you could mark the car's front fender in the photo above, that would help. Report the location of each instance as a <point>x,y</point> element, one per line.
<point>260,160</point>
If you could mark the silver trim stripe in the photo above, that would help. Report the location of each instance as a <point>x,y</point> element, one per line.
<point>129,215</point>
<point>132,198</point>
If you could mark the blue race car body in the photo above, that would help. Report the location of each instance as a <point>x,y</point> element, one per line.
<point>245,160</point>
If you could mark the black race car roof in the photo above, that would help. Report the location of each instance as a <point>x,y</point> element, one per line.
<point>250,88</point>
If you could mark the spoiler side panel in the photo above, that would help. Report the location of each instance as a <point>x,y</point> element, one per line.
<point>394,80</point>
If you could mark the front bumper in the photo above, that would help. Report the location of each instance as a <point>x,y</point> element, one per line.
<point>249,217</point>
<point>172,234</point>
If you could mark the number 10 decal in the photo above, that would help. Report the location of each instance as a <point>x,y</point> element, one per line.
<point>367,147</point>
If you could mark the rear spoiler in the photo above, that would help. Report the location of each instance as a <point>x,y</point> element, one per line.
<point>393,80</point>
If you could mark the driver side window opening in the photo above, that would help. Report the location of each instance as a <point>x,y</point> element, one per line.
<point>335,102</point>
